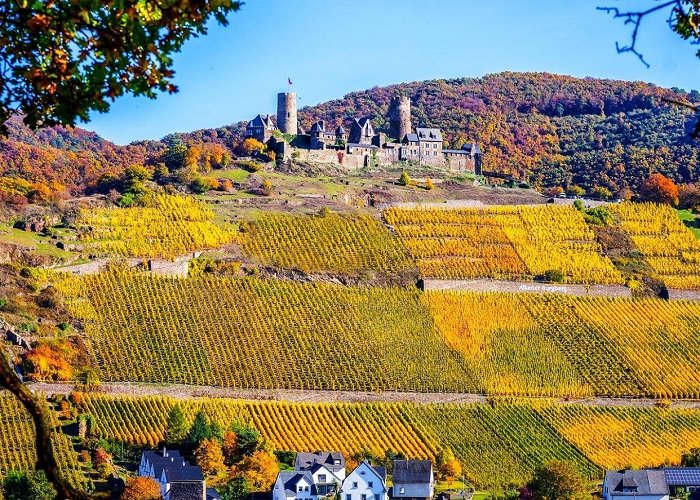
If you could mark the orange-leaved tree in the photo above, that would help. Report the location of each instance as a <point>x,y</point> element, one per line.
<point>209,457</point>
<point>50,362</point>
<point>141,488</point>
<point>660,189</point>
<point>259,469</point>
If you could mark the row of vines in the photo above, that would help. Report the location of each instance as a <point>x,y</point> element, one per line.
<point>484,437</point>
<point>505,242</point>
<point>273,334</point>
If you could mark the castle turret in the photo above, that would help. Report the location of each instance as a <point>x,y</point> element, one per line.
<point>399,117</point>
<point>287,112</point>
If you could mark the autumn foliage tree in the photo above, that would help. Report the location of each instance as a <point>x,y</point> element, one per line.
<point>259,469</point>
<point>660,189</point>
<point>64,59</point>
<point>250,146</point>
<point>448,466</point>
<point>558,479</point>
<point>141,488</point>
<point>50,361</point>
<point>209,457</point>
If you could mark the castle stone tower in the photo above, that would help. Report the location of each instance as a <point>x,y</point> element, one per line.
<point>399,117</point>
<point>287,112</point>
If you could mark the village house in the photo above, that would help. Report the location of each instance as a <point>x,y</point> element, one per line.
<point>637,484</point>
<point>177,478</point>
<point>315,475</point>
<point>365,483</point>
<point>413,480</point>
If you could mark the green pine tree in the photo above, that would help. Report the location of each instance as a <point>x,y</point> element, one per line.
<point>177,429</point>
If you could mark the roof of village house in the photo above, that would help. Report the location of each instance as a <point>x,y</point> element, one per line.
<point>644,482</point>
<point>429,134</point>
<point>457,152</point>
<point>363,121</point>
<point>358,145</point>
<point>186,473</point>
<point>161,459</point>
<point>290,479</point>
<point>682,476</point>
<point>411,138</point>
<point>340,130</point>
<point>413,471</point>
<point>305,461</point>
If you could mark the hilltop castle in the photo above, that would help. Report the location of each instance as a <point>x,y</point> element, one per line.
<point>361,146</point>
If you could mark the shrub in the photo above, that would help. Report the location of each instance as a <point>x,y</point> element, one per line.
<point>552,275</point>
<point>267,187</point>
<point>429,184</point>
<point>404,179</point>
<point>249,165</point>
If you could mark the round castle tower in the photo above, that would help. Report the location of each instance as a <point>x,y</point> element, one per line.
<point>287,112</point>
<point>399,117</point>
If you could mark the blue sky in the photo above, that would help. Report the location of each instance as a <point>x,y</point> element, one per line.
<point>331,47</point>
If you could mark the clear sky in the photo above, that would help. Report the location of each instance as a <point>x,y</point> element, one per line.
<point>331,47</point>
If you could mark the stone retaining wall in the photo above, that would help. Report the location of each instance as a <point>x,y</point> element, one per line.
<point>486,285</point>
<point>677,294</point>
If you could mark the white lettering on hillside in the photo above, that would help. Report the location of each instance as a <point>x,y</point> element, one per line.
<point>544,288</point>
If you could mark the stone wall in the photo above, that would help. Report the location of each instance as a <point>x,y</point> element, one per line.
<point>486,285</point>
<point>677,294</point>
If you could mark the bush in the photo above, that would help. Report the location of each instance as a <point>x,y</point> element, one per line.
<point>49,298</point>
<point>429,184</point>
<point>249,165</point>
<point>267,187</point>
<point>404,179</point>
<point>578,205</point>
<point>599,216</point>
<point>552,275</point>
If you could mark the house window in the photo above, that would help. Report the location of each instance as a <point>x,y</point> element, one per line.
<point>377,496</point>
<point>306,488</point>
<point>354,484</point>
<point>348,497</point>
<point>370,484</point>
<point>300,489</point>
<point>364,497</point>
<point>321,478</point>
<point>402,490</point>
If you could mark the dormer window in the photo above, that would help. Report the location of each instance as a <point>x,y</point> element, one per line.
<point>402,490</point>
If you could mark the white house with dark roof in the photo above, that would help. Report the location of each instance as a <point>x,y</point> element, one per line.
<point>647,484</point>
<point>365,483</point>
<point>413,480</point>
<point>315,475</point>
<point>683,479</point>
<point>178,479</point>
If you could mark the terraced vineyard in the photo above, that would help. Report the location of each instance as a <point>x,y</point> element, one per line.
<point>483,437</point>
<point>503,242</point>
<point>17,436</point>
<point>671,250</point>
<point>255,333</point>
<point>346,244</point>
<point>272,334</point>
<point>524,344</point>
<point>167,226</point>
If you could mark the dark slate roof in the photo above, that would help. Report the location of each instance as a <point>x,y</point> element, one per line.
<point>159,462</point>
<point>411,138</point>
<point>682,476</point>
<point>647,482</point>
<point>456,152</point>
<point>186,491</point>
<point>472,148</point>
<point>212,494</point>
<point>364,120</point>
<point>381,472</point>
<point>258,121</point>
<point>290,479</point>
<point>319,126</point>
<point>413,471</point>
<point>429,134</point>
<point>356,145</point>
<point>305,461</point>
<point>187,473</point>
<point>340,130</point>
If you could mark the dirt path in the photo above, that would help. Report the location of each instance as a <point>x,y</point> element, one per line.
<point>297,395</point>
